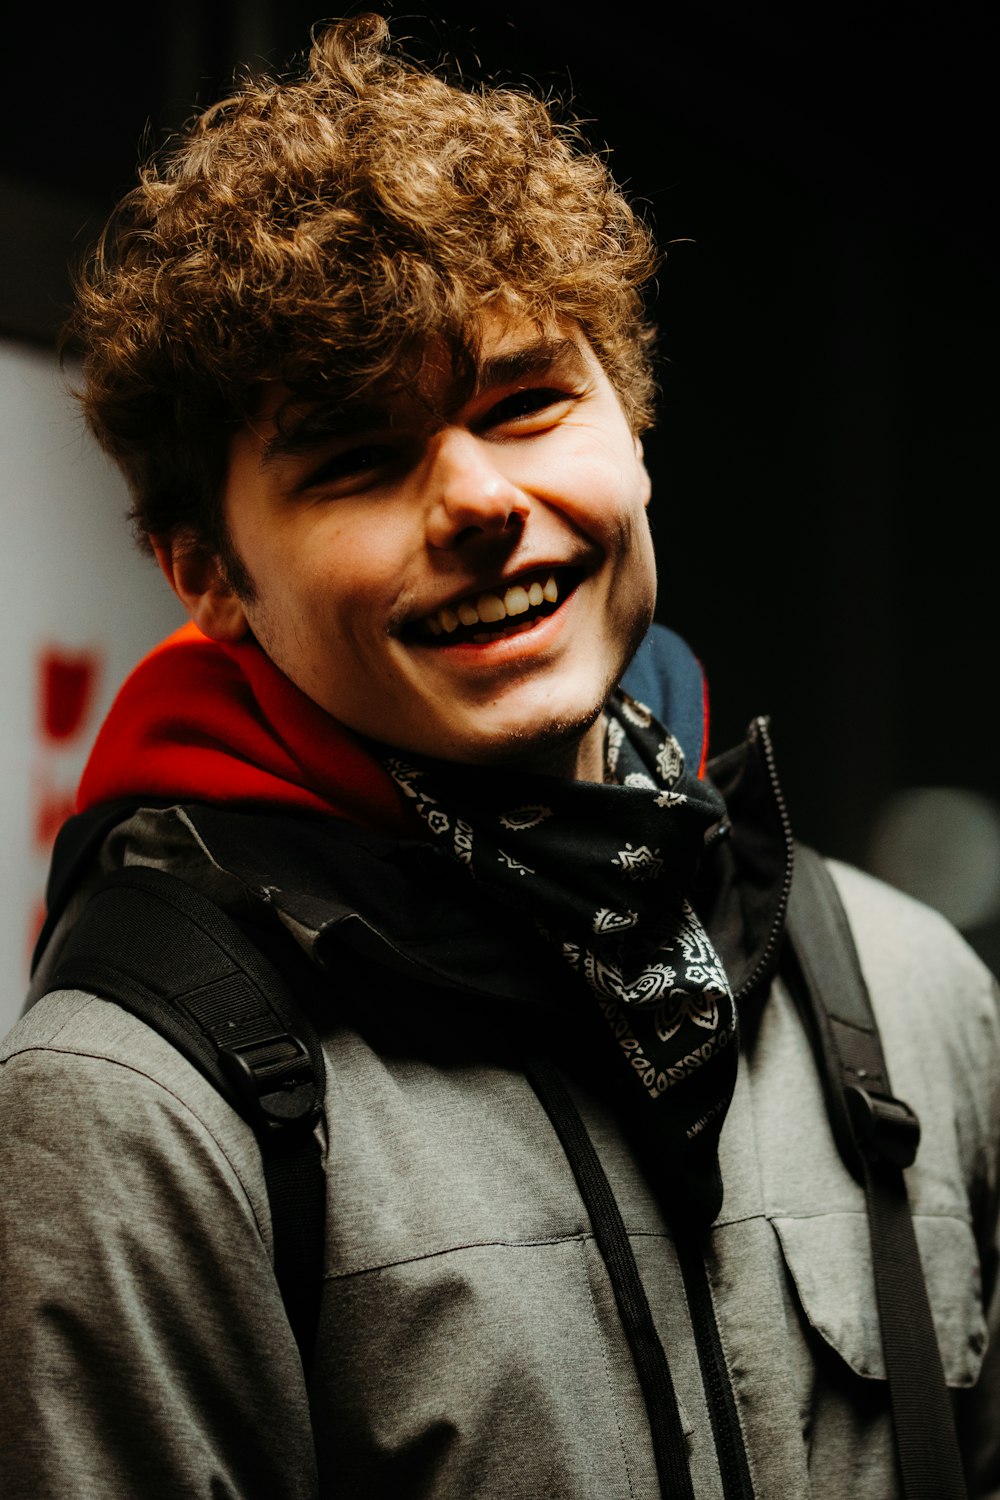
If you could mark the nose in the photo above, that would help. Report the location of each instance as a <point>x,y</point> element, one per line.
<point>469,497</point>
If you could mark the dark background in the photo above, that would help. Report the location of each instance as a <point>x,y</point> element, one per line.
<point>824,466</point>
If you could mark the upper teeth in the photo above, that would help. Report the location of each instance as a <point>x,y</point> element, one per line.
<point>488,609</point>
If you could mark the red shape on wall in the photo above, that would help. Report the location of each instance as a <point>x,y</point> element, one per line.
<point>53,805</point>
<point>36,922</point>
<point>67,681</point>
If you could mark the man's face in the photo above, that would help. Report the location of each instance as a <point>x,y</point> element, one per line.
<point>468,585</point>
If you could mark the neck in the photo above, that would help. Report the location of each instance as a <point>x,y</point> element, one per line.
<point>579,759</point>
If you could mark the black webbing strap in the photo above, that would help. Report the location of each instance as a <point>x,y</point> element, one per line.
<point>172,957</point>
<point>669,1445</point>
<point>878,1137</point>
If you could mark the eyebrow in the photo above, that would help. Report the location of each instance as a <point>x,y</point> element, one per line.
<point>563,355</point>
<point>321,423</point>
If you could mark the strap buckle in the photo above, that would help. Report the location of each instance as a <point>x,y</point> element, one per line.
<point>275,1077</point>
<point>885,1128</point>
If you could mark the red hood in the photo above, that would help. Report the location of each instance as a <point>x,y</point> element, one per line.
<point>198,721</point>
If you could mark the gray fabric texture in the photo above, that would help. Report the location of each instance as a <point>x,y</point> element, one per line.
<point>469,1343</point>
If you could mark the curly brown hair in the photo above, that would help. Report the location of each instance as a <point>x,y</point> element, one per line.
<point>320,230</point>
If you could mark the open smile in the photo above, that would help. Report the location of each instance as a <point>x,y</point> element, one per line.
<point>483,617</point>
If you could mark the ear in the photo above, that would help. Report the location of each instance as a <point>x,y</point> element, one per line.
<point>199,581</point>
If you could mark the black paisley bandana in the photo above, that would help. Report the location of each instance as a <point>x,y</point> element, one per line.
<point>603,871</point>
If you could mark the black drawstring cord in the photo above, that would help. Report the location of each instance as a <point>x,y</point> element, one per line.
<point>669,1445</point>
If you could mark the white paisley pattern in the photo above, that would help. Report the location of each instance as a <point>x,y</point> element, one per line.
<point>612,750</point>
<point>520,818</point>
<point>463,842</point>
<point>639,864</point>
<point>601,871</point>
<point>606,920</point>
<point>640,778</point>
<point>513,864</point>
<point>637,713</point>
<point>669,799</point>
<point>669,760</point>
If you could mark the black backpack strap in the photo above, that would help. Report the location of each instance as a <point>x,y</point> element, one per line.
<point>878,1136</point>
<point>173,958</point>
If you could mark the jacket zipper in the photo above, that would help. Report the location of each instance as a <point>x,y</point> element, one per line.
<point>727,1433</point>
<point>778,926</point>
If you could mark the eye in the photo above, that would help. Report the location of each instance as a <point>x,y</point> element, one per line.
<point>351,468</point>
<point>533,408</point>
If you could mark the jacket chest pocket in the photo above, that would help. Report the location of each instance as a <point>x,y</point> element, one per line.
<point>828,1260</point>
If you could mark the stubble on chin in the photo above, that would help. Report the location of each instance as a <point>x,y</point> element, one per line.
<point>572,750</point>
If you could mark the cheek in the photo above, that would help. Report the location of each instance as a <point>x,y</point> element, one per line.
<point>612,489</point>
<point>356,558</point>
<point>635,573</point>
<point>630,535</point>
<point>644,541</point>
<point>327,576</point>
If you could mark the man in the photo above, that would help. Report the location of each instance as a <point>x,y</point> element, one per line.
<point>372,353</point>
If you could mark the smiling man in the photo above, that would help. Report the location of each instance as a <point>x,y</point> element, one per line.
<point>371,350</point>
<point>460,572</point>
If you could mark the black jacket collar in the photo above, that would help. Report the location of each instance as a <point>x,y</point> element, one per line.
<point>351,895</point>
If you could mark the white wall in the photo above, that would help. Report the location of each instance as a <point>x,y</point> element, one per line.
<point>80,604</point>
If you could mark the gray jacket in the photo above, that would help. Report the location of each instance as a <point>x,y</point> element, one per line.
<point>470,1345</point>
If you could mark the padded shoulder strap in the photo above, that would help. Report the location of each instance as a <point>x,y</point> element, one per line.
<point>168,954</point>
<point>878,1137</point>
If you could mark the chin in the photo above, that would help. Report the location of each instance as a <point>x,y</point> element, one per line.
<point>554,748</point>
